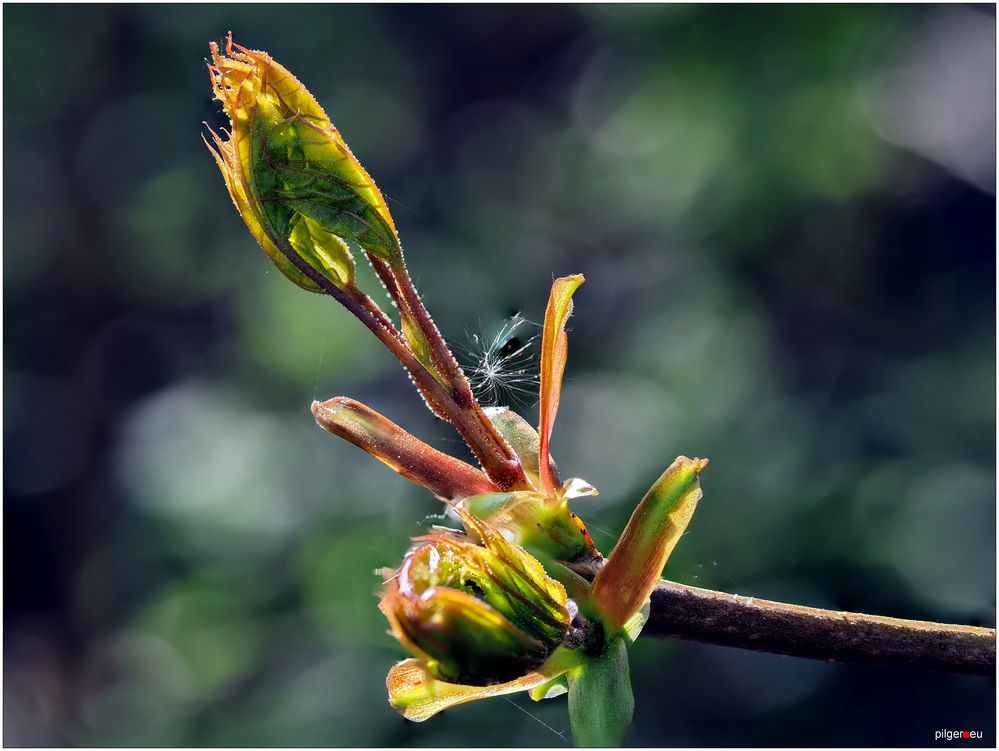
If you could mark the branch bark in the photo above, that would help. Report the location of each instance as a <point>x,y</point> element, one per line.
<point>684,612</point>
<point>680,611</point>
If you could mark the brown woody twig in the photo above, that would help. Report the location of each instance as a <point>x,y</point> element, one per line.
<point>680,611</point>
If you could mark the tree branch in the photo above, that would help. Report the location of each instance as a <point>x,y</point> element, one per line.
<point>683,612</point>
<point>680,611</point>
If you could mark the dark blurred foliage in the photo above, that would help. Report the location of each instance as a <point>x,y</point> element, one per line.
<point>786,217</point>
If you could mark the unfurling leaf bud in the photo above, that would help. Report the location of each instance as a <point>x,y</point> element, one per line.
<point>543,524</point>
<point>293,179</point>
<point>447,477</point>
<point>476,612</point>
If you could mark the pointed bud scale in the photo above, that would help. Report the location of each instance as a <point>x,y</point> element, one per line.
<point>629,576</point>
<point>294,181</point>
<point>444,475</point>
<point>554,351</point>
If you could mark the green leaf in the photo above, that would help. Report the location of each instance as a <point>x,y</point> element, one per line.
<point>600,699</point>
<point>284,162</point>
<point>325,252</point>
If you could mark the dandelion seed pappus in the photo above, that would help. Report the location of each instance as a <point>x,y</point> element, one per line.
<point>501,368</point>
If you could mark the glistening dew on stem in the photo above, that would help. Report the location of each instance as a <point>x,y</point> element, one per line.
<point>495,607</point>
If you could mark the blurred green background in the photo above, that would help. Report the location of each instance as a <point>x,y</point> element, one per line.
<point>786,217</point>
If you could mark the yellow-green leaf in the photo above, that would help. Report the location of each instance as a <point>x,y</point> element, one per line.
<point>322,250</point>
<point>417,695</point>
